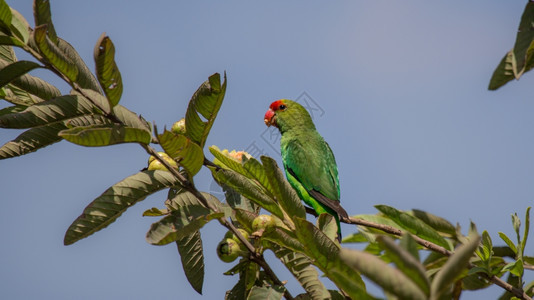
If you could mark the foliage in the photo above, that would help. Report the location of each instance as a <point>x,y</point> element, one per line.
<point>394,241</point>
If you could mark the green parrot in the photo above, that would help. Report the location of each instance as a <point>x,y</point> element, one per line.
<point>309,163</point>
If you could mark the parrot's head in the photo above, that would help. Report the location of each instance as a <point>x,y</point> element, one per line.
<point>286,114</point>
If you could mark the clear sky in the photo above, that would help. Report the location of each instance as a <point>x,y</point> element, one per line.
<point>400,89</point>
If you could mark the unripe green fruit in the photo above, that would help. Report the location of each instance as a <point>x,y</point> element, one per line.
<point>264,222</point>
<point>178,127</point>
<point>231,235</point>
<point>154,164</point>
<point>228,250</point>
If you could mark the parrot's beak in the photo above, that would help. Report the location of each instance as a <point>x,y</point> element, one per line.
<point>269,118</point>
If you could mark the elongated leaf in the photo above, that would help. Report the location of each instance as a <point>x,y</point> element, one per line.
<point>5,15</point>
<point>485,250</point>
<point>155,212</point>
<point>325,255</point>
<point>300,266</point>
<point>454,266</point>
<point>17,96</point>
<point>53,54</point>
<point>525,233</point>
<point>105,135</point>
<point>191,254</point>
<point>9,40</point>
<point>180,223</point>
<point>204,105</point>
<point>236,200</point>
<point>105,209</point>
<point>129,118</point>
<point>388,278</point>
<point>406,263</point>
<point>85,78</point>
<point>524,38</point>
<point>106,69</point>
<point>58,109</point>
<point>255,169</point>
<point>438,223</point>
<point>283,191</point>
<point>504,71</point>
<point>266,293</point>
<point>413,225</point>
<point>7,54</point>
<point>12,109</point>
<point>36,86</point>
<point>248,189</point>
<point>182,149</point>
<point>284,238</point>
<point>100,101</point>
<point>225,161</point>
<point>327,224</point>
<point>32,140</point>
<point>179,197</point>
<point>408,243</point>
<point>15,70</point>
<point>42,15</point>
<point>19,26</point>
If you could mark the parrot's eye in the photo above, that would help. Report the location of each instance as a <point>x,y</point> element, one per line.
<point>282,107</point>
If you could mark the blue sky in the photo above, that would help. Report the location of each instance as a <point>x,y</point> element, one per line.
<point>403,90</point>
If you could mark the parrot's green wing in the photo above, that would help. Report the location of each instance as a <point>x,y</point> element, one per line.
<point>311,169</point>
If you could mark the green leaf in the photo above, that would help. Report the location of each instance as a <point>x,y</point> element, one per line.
<point>515,268</point>
<point>32,140</point>
<point>236,200</point>
<point>17,96</point>
<point>9,40</point>
<point>516,222</point>
<point>15,70</point>
<point>408,243</point>
<point>36,86</point>
<point>300,266</point>
<point>327,224</point>
<point>7,53</point>
<point>203,108</point>
<point>438,223</point>
<point>85,78</point>
<point>182,149</point>
<point>413,225</point>
<point>454,266</point>
<point>224,161</point>
<point>266,293</point>
<point>155,212</point>
<point>248,189</point>
<point>105,209</point>
<point>105,135</point>
<point>283,238</point>
<point>525,233</point>
<point>485,251</point>
<point>504,71</point>
<point>391,280</point>
<point>53,54</point>
<point>100,101</point>
<point>106,69</point>
<point>58,109</point>
<point>253,168</point>
<point>19,27</point>
<point>357,237</point>
<point>5,15</point>
<point>282,190</point>
<point>524,37</point>
<point>180,223</point>
<point>42,15</point>
<point>406,263</point>
<point>129,118</point>
<point>179,198</point>
<point>326,256</point>
<point>191,254</point>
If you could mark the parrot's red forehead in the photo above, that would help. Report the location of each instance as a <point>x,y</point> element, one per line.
<point>276,105</point>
